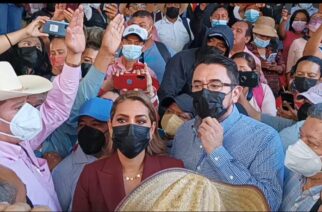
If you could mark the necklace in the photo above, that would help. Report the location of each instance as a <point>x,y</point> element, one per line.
<point>132,178</point>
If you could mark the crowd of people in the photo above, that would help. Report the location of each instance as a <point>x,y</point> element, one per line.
<point>222,93</point>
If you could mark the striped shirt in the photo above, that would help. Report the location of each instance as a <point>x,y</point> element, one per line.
<point>294,198</point>
<point>252,154</point>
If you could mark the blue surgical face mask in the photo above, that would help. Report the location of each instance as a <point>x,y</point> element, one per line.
<point>260,42</point>
<point>251,15</point>
<point>215,22</point>
<point>132,52</point>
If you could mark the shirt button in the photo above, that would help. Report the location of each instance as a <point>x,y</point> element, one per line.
<point>198,168</point>
<point>231,177</point>
<point>200,146</point>
<point>216,158</point>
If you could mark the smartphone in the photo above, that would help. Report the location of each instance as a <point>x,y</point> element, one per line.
<point>272,58</point>
<point>288,97</point>
<point>248,79</point>
<point>57,28</point>
<point>130,81</point>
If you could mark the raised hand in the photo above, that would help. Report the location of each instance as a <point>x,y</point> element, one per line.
<point>111,10</point>
<point>75,37</point>
<point>59,12</point>
<point>34,28</point>
<point>68,14</point>
<point>113,35</point>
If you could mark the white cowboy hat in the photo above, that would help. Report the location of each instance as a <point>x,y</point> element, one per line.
<point>178,189</point>
<point>12,86</point>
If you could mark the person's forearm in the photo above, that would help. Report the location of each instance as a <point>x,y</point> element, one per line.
<point>14,38</point>
<point>282,29</point>
<point>103,60</point>
<point>313,44</point>
<point>73,59</point>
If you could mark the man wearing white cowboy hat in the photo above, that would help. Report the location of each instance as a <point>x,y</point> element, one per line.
<point>23,128</point>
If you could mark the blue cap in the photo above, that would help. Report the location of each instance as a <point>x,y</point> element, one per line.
<point>97,108</point>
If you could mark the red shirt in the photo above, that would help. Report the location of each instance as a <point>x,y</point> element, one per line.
<point>287,42</point>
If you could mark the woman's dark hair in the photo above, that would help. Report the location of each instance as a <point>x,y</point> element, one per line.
<point>294,15</point>
<point>156,146</point>
<point>248,57</point>
<point>42,69</point>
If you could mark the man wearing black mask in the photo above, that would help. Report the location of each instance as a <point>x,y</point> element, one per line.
<point>92,144</point>
<point>179,69</point>
<point>224,145</point>
<point>173,30</point>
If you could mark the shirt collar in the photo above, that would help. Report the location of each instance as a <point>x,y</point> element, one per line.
<point>10,151</point>
<point>167,21</point>
<point>79,157</point>
<point>231,119</point>
<point>226,124</point>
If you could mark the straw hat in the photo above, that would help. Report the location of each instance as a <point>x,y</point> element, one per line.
<point>265,26</point>
<point>179,189</point>
<point>12,86</point>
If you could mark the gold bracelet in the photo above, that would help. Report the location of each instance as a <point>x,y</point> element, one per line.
<point>73,65</point>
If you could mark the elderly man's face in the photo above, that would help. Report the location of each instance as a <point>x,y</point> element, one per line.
<point>311,134</point>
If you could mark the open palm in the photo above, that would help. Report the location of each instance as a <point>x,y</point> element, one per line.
<point>75,37</point>
<point>113,34</point>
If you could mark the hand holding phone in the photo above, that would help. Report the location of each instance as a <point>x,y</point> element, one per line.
<point>130,81</point>
<point>289,98</point>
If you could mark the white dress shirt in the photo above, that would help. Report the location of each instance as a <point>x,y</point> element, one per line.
<point>173,35</point>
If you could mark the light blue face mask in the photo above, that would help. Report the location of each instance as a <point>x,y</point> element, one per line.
<point>251,15</point>
<point>215,22</point>
<point>260,42</point>
<point>132,52</point>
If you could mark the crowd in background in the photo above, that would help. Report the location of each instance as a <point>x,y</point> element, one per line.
<point>231,91</point>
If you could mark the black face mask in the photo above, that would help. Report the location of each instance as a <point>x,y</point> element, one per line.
<point>302,112</point>
<point>209,103</point>
<point>85,67</point>
<point>248,79</point>
<point>131,139</point>
<point>303,84</point>
<point>91,140</point>
<point>172,12</point>
<point>30,56</point>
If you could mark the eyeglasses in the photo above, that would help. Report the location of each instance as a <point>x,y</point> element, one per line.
<point>214,85</point>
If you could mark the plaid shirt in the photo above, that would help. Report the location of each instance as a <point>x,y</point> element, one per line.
<point>252,154</point>
<point>294,198</point>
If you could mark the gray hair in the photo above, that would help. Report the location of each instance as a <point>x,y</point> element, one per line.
<point>315,111</point>
<point>8,193</point>
<point>94,35</point>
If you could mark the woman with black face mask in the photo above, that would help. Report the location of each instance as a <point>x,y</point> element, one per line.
<point>306,73</point>
<point>29,56</point>
<point>138,153</point>
<point>259,95</point>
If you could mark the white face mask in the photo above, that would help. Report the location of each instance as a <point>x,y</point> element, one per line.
<point>26,124</point>
<point>301,159</point>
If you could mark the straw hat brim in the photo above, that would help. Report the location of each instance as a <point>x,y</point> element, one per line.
<point>265,30</point>
<point>31,84</point>
<point>179,189</point>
